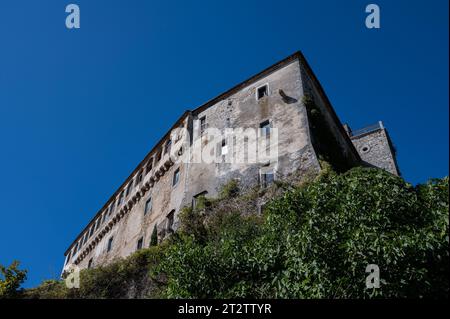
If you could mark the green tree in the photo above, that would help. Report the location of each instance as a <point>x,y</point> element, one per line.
<point>10,280</point>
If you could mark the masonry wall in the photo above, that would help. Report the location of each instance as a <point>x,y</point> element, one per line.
<point>375,149</point>
<point>128,223</point>
<point>244,110</point>
<point>328,137</point>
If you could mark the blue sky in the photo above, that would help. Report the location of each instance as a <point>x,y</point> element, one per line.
<point>79,109</point>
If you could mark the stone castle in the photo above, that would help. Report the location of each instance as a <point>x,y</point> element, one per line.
<point>287,108</point>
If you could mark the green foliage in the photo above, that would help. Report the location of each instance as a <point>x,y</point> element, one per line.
<point>314,241</point>
<point>323,138</point>
<point>154,237</point>
<point>13,277</point>
<point>48,289</point>
<point>230,189</point>
<point>125,278</point>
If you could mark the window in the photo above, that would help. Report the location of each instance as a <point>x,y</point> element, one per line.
<point>267,178</point>
<point>111,208</point>
<point>262,91</point>
<point>158,156</point>
<point>84,239</point>
<point>265,128</point>
<point>176,177</point>
<point>170,218</point>
<point>139,178</point>
<point>202,125</point>
<point>196,198</point>
<point>104,216</point>
<point>365,149</point>
<point>149,166</point>
<point>91,232</point>
<point>120,199</point>
<point>178,135</point>
<point>224,149</point>
<point>68,257</point>
<point>167,146</point>
<point>90,263</point>
<point>140,243</point>
<point>148,206</point>
<point>110,242</point>
<point>129,188</point>
<point>97,224</point>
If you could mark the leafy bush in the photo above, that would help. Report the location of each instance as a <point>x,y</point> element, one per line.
<point>314,241</point>
<point>125,278</point>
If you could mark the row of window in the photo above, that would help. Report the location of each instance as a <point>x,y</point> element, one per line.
<point>140,244</point>
<point>122,196</point>
<point>108,212</point>
<point>267,178</point>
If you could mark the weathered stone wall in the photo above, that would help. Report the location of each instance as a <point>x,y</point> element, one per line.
<point>376,150</point>
<point>128,223</point>
<point>287,82</point>
<point>337,140</point>
<point>244,110</point>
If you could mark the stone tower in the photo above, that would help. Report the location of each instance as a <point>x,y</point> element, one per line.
<point>375,147</point>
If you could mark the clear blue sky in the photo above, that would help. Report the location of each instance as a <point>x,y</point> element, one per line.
<point>79,109</point>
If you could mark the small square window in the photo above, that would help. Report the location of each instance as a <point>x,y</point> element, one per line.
<point>120,199</point>
<point>167,146</point>
<point>262,91</point>
<point>140,243</point>
<point>68,257</point>
<point>111,208</point>
<point>196,198</point>
<point>176,177</point>
<point>92,231</point>
<point>129,188</point>
<point>170,219</point>
<point>148,206</point>
<point>149,166</point>
<point>267,178</point>
<point>139,178</point>
<point>110,242</point>
<point>265,128</point>
<point>224,149</point>
<point>202,124</point>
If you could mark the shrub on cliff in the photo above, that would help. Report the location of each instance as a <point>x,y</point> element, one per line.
<point>124,278</point>
<point>316,242</point>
